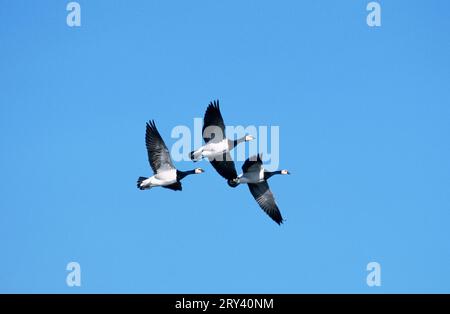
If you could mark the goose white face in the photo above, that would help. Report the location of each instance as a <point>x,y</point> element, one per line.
<point>234,182</point>
<point>199,170</point>
<point>249,138</point>
<point>284,172</point>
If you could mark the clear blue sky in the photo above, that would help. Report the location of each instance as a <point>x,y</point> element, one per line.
<point>364,125</point>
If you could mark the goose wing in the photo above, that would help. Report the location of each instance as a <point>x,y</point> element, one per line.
<point>252,164</point>
<point>262,194</point>
<point>225,166</point>
<point>213,124</point>
<point>158,154</point>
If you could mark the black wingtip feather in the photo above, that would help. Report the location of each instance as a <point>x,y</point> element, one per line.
<point>214,103</point>
<point>151,124</point>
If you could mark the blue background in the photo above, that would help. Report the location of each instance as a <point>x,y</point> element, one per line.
<point>364,126</point>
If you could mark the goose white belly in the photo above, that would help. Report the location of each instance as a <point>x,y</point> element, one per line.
<point>162,178</point>
<point>212,150</point>
<point>252,177</point>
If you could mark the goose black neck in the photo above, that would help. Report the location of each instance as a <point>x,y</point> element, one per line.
<point>238,141</point>
<point>183,174</point>
<point>268,174</point>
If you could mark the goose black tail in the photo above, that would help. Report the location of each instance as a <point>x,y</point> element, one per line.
<point>192,156</point>
<point>139,181</point>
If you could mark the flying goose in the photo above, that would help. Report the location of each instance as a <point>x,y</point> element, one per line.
<point>256,178</point>
<point>165,173</point>
<point>217,148</point>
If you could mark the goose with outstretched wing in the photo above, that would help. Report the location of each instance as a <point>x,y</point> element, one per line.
<point>164,172</point>
<point>217,147</point>
<point>255,176</point>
